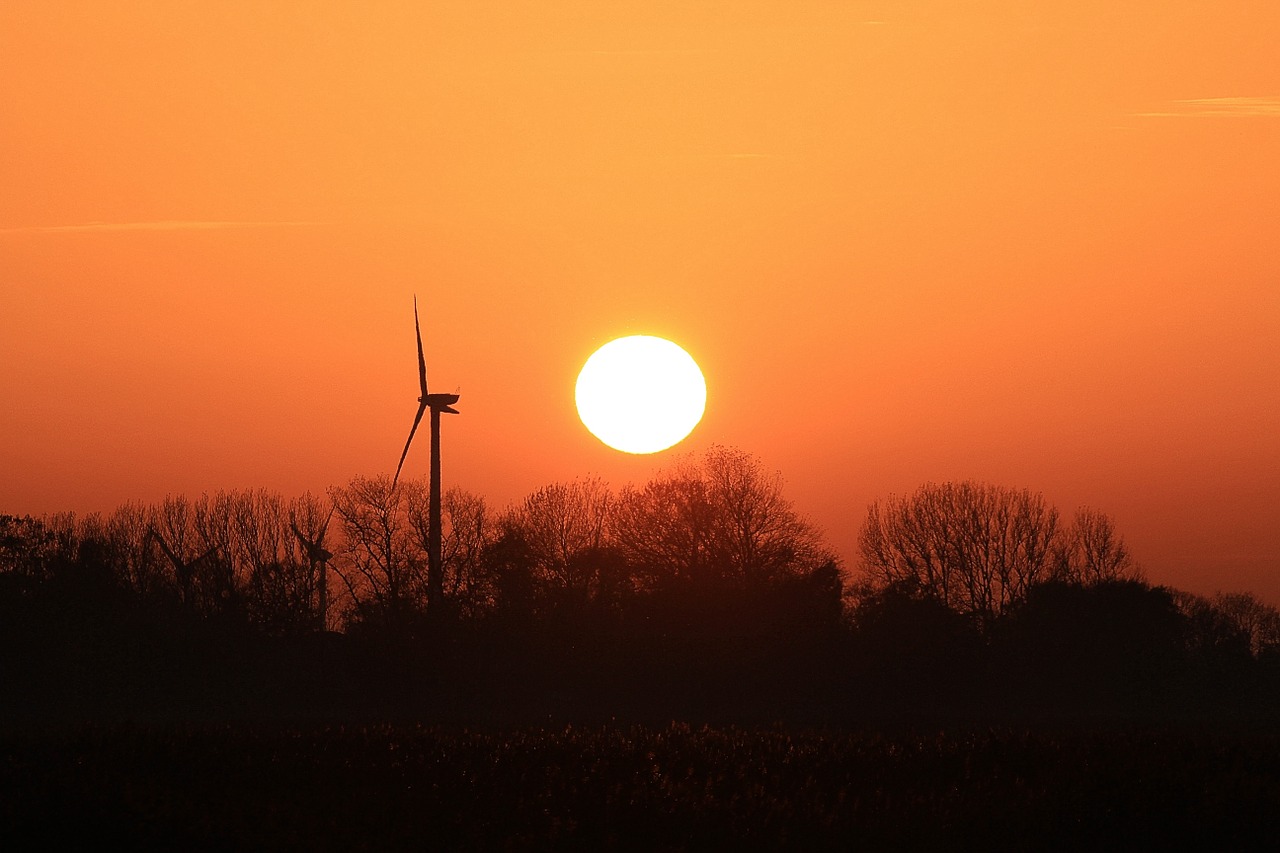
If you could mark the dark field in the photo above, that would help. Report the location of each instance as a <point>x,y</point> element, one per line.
<point>640,788</point>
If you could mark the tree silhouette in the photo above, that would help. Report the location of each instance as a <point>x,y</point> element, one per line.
<point>664,528</point>
<point>1229,627</point>
<point>1092,552</point>
<point>564,526</point>
<point>378,563</point>
<point>130,557</point>
<point>721,518</point>
<point>976,548</point>
<point>1251,618</point>
<point>913,647</point>
<point>510,561</point>
<point>1115,641</point>
<point>702,586</point>
<point>26,547</point>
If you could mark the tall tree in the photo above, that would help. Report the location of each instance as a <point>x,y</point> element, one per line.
<point>1254,620</point>
<point>383,569</point>
<point>664,528</point>
<point>131,559</point>
<point>1092,552</point>
<point>757,535</point>
<point>722,517</point>
<point>562,525</point>
<point>976,548</point>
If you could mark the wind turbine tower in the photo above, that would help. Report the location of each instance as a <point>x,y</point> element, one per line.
<point>437,403</point>
<point>318,557</point>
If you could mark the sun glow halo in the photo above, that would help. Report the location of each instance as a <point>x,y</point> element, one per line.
<point>640,394</point>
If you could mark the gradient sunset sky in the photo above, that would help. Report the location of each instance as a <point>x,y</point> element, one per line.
<point>1031,244</point>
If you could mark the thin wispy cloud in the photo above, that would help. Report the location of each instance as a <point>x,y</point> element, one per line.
<point>656,51</point>
<point>1220,108</point>
<point>157,225</point>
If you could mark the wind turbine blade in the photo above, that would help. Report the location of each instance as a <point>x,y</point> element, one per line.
<point>417,420</point>
<point>422,362</point>
<point>164,546</point>
<point>325,526</point>
<point>298,533</point>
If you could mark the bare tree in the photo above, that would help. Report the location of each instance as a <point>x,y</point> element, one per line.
<point>562,525</point>
<point>1256,620</point>
<point>1092,552</point>
<point>212,519</point>
<point>379,561</point>
<point>132,561</point>
<point>720,517</point>
<point>27,547</point>
<point>217,582</point>
<point>756,533</point>
<point>262,533</point>
<point>275,580</point>
<point>174,521</point>
<point>64,531</point>
<point>664,528</point>
<point>976,548</point>
<point>198,570</point>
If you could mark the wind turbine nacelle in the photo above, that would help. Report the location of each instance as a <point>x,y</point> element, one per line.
<point>442,402</point>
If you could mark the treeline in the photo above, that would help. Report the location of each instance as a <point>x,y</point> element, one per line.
<point>701,591</point>
<point>356,559</point>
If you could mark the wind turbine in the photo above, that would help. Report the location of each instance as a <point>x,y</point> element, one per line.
<point>183,568</point>
<point>318,555</point>
<point>437,403</point>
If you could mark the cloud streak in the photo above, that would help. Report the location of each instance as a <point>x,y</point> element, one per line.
<point>1220,108</point>
<point>157,225</point>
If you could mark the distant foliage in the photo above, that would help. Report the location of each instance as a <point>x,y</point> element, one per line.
<point>235,555</point>
<point>703,587</point>
<point>27,547</point>
<point>1257,621</point>
<point>1227,625</point>
<point>1115,642</point>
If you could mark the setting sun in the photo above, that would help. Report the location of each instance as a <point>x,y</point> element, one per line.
<point>641,394</point>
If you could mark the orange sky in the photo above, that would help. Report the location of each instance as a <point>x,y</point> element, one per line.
<point>1032,244</point>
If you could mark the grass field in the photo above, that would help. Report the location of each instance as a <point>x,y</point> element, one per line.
<point>639,788</point>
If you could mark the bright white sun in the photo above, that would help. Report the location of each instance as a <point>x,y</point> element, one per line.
<point>640,394</point>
